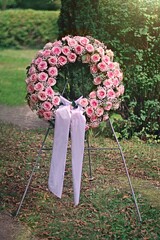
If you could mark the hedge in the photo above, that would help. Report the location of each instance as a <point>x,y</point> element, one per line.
<point>27,28</point>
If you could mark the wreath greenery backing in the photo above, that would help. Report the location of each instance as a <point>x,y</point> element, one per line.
<point>107,78</point>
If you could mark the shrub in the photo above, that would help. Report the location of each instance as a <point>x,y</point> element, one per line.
<point>132,30</point>
<point>27,28</point>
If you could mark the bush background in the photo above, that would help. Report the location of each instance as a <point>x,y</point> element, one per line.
<point>27,28</point>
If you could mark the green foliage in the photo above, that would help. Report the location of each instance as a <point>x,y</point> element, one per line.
<point>27,28</point>
<point>76,17</point>
<point>5,4</point>
<point>38,4</point>
<point>132,31</point>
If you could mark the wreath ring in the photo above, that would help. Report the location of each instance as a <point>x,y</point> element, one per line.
<point>107,78</point>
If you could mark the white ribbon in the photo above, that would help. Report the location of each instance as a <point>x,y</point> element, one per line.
<point>67,119</point>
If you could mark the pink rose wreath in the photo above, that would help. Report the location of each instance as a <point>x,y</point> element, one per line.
<point>107,78</point>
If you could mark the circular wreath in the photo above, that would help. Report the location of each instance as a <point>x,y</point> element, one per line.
<point>107,78</point>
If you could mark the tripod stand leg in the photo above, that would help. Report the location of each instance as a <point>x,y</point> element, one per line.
<point>31,175</point>
<point>127,173</point>
<point>89,158</point>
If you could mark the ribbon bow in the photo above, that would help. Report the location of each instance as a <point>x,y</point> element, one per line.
<point>68,118</point>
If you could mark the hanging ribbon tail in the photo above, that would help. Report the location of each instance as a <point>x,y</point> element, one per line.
<point>67,119</point>
<point>78,123</point>
<point>59,152</point>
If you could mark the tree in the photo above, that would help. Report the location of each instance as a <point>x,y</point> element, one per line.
<point>78,17</point>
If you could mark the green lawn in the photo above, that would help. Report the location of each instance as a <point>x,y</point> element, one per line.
<point>13,65</point>
<point>106,209</point>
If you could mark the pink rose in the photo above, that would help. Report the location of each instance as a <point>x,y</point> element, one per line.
<point>89,48</point>
<point>108,83</point>
<point>32,70</point>
<point>78,49</point>
<point>108,106</point>
<point>92,94</point>
<point>62,60</point>
<point>42,96</point>
<point>47,115</point>
<point>95,58</point>
<point>93,69</point>
<point>49,91</point>
<point>115,81</point>
<point>94,124</point>
<point>110,74</point>
<point>34,98</point>
<point>86,58</point>
<point>84,41</point>
<point>33,77</point>
<point>42,76</point>
<point>116,72</point>
<point>47,106</point>
<point>120,76</point>
<point>30,88</point>
<point>72,57</point>
<point>65,50</point>
<point>38,60</point>
<point>106,59</point>
<point>56,101</point>
<point>27,80</point>
<point>93,118</point>
<point>86,127</point>
<point>121,89</point>
<point>40,113</point>
<point>110,54</point>
<point>40,53</point>
<point>48,45</point>
<point>105,117</point>
<point>100,50</point>
<point>57,43</point>
<point>52,60</point>
<point>38,86</point>
<point>97,80</point>
<point>53,71</point>
<point>101,93</point>
<point>116,105</point>
<point>111,94</point>
<point>83,102</point>
<point>51,81</point>
<point>99,112</point>
<point>102,66</point>
<point>72,42</point>
<point>94,103</point>
<point>46,53</point>
<point>89,111</point>
<point>56,50</point>
<point>42,66</point>
<point>111,65</point>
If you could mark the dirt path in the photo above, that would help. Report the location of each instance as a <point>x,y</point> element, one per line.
<point>22,117</point>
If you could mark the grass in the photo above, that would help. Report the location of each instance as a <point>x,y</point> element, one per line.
<point>106,209</point>
<point>13,65</point>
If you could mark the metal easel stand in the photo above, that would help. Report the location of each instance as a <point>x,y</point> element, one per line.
<point>51,126</point>
<point>33,170</point>
<point>90,169</point>
<point>127,173</point>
